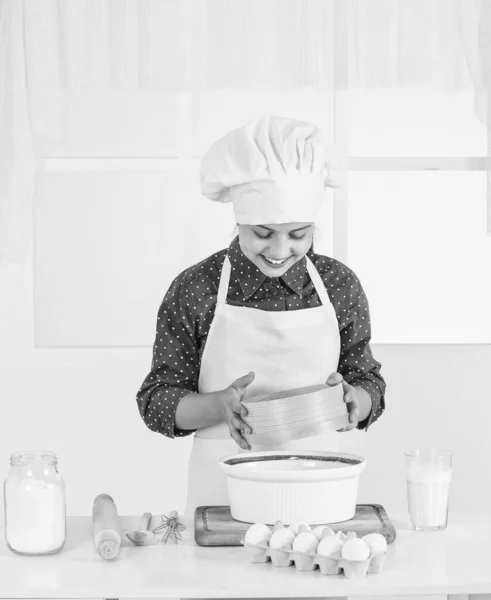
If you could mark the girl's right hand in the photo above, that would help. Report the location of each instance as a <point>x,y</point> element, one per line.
<point>234,410</point>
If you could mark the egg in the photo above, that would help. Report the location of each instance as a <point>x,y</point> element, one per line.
<point>376,541</point>
<point>305,542</point>
<point>328,533</point>
<point>258,533</point>
<point>322,530</point>
<point>329,546</point>
<point>281,538</point>
<point>355,549</point>
<point>295,527</point>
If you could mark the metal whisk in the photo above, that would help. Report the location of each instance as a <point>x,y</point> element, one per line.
<point>171,526</point>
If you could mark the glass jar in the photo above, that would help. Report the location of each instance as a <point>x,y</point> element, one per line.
<point>35,509</point>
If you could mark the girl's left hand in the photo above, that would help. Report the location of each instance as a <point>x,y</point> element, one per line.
<point>349,396</point>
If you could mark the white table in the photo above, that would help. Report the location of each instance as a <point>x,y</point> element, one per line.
<point>455,562</point>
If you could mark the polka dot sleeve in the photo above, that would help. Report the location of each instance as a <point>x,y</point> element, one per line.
<point>356,363</point>
<point>175,363</point>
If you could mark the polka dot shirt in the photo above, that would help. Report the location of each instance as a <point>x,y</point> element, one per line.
<point>186,313</point>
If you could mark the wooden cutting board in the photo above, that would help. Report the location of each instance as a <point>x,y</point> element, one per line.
<point>214,525</point>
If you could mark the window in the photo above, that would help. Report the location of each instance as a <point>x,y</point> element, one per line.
<point>119,212</point>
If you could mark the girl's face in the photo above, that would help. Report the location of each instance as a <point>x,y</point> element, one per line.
<point>275,248</point>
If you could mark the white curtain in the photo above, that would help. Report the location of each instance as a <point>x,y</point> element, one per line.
<point>48,46</point>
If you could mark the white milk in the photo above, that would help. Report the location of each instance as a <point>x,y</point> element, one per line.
<point>427,494</point>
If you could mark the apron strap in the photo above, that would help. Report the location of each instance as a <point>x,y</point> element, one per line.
<point>319,286</point>
<point>224,281</point>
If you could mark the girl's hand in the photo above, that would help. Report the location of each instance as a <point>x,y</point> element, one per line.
<point>349,396</point>
<point>233,409</point>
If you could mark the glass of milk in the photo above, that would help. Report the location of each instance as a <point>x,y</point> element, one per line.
<point>428,476</point>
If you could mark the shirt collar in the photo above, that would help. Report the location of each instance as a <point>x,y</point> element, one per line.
<point>251,277</point>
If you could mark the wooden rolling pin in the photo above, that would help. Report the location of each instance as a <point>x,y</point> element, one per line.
<point>105,522</point>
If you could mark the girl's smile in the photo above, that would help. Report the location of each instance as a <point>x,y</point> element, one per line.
<point>275,248</point>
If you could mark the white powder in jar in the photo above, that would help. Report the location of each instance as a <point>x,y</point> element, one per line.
<point>35,518</point>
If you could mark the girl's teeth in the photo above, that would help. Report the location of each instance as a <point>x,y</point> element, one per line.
<point>275,262</point>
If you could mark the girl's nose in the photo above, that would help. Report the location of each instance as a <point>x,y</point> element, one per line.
<point>280,247</point>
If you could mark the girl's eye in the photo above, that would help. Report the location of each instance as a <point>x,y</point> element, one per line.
<point>265,237</point>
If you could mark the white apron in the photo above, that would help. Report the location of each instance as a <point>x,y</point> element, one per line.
<point>285,349</point>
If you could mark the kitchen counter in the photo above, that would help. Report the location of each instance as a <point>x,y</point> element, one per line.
<point>454,561</point>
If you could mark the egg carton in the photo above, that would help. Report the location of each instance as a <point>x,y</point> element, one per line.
<point>309,561</point>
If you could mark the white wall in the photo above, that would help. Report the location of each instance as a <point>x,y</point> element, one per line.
<point>436,396</point>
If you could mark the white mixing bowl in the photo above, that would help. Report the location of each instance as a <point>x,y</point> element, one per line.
<point>292,487</point>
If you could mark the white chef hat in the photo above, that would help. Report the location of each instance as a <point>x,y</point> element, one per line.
<point>273,170</point>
